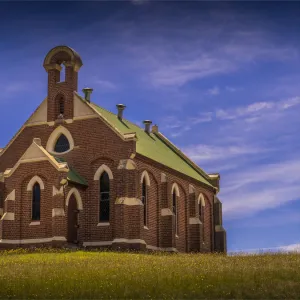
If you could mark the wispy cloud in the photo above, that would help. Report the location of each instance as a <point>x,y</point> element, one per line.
<point>275,218</point>
<point>201,118</point>
<point>176,64</point>
<point>232,89</point>
<point>11,89</point>
<point>202,152</point>
<point>105,84</point>
<point>176,126</point>
<point>280,249</point>
<point>262,187</point>
<point>214,91</point>
<point>256,109</point>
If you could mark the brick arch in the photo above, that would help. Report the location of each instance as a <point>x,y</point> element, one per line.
<point>151,232</point>
<point>145,176</point>
<point>76,193</point>
<point>207,223</point>
<point>35,179</point>
<point>182,205</point>
<point>55,135</point>
<point>101,169</point>
<point>201,199</point>
<point>59,54</point>
<point>176,188</point>
<point>205,195</point>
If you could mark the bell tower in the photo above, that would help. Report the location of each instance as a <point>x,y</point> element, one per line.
<point>61,85</point>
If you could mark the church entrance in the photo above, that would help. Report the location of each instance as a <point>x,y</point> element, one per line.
<point>72,221</point>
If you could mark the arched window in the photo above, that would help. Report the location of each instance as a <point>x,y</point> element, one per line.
<point>36,202</point>
<point>174,205</point>
<point>200,210</point>
<point>62,74</point>
<point>61,106</point>
<point>201,204</point>
<point>104,198</point>
<point>62,144</point>
<point>1,199</point>
<point>144,200</point>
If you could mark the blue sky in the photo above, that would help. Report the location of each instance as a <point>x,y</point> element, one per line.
<point>221,80</point>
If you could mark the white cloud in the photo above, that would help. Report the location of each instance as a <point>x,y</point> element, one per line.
<point>262,187</point>
<point>280,249</point>
<point>202,152</point>
<point>291,248</point>
<point>257,109</point>
<point>232,89</point>
<point>180,61</point>
<point>16,87</point>
<point>176,126</point>
<point>278,217</point>
<point>201,118</point>
<point>105,84</point>
<point>180,72</point>
<point>214,91</point>
<point>180,131</point>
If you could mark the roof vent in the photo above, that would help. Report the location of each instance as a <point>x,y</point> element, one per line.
<point>87,94</point>
<point>147,125</point>
<point>120,108</point>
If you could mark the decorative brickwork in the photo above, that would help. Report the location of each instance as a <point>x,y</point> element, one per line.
<point>70,209</point>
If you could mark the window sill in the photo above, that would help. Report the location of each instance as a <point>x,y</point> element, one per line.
<point>52,152</point>
<point>103,224</point>
<point>145,227</point>
<point>176,235</point>
<point>35,223</point>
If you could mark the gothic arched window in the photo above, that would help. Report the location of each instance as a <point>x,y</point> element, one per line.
<point>61,106</point>
<point>104,198</point>
<point>36,202</point>
<point>62,144</point>
<point>174,205</point>
<point>144,200</point>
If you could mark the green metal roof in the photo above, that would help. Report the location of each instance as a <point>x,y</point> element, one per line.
<point>151,146</point>
<point>73,176</point>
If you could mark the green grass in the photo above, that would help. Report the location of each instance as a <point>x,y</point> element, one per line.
<point>111,275</point>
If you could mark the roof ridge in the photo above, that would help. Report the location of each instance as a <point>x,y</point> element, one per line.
<point>183,156</point>
<point>130,122</point>
<point>177,161</point>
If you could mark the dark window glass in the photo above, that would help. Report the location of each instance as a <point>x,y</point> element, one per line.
<point>175,210</point>
<point>144,200</point>
<point>61,106</point>
<point>36,202</point>
<point>62,144</point>
<point>200,210</point>
<point>1,199</point>
<point>104,198</point>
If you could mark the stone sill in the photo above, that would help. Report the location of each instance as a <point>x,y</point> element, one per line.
<point>35,223</point>
<point>103,224</point>
<point>145,227</point>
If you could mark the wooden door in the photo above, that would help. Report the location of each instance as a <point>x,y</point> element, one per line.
<point>72,220</point>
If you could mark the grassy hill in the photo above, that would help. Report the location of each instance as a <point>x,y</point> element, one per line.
<point>111,275</point>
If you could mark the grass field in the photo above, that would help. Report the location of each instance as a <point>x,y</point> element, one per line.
<point>111,275</point>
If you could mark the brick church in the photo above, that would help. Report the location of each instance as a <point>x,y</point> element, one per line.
<point>78,174</point>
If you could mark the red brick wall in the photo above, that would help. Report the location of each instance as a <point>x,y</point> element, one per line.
<point>97,144</point>
<point>20,228</point>
<point>186,207</point>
